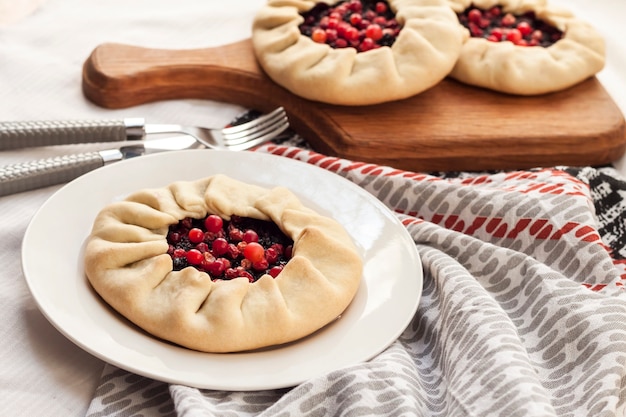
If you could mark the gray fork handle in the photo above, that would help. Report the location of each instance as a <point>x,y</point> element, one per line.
<point>16,135</point>
<point>31,175</point>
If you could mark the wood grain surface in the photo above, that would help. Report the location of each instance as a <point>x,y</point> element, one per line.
<point>450,127</point>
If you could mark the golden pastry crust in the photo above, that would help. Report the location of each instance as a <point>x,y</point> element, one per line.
<point>126,262</point>
<point>521,70</point>
<point>422,55</point>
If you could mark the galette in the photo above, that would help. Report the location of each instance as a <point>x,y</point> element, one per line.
<point>356,52</point>
<point>525,47</point>
<point>219,265</point>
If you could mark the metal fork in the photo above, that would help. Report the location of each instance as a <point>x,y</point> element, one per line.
<point>26,176</point>
<point>16,135</point>
<point>237,138</point>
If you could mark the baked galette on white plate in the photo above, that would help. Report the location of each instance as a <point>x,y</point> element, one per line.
<point>525,47</point>
<point>356,52</point>
<point>218,265</point>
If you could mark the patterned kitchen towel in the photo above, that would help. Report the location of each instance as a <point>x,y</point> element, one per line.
<point>523,311</point>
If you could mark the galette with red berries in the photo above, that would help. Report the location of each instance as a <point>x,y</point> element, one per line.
<point>219,265</point>
<point>525,47</point>
<point>356,52</point>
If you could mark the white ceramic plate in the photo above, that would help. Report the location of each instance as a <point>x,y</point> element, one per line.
<point>382,308</point>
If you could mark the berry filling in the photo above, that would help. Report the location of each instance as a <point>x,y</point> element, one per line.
<point>241,247</point>
<point>497,26</point>
<point>360,24</point>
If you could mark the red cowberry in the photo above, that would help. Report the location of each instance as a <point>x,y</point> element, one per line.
<point>250,236</point>
<point>331,35</point>
<point>514,36</point>
<point>355,6</point>
<point>497,34</point>
<point>356,18</point>
<point>374,32</point>
<point>231,273</point>
<point>194,256</point>
<point>494,11</point>
<point>332,23</point>
<point>219,246</point>
<point>213,223</point>
<point>475,30</point>
<point>272,255</point>
<point>260,265</point>
<point>279,248</point>
<point>508,20</point>
<point>319,35</point>
<point>366,45</point>
<point>381,7</point>
<point>380,20</point>
<point>275,270</point>
<point>205,265</point>
<point>195,235</point>
<point>216,268</point>
<point>225,262</point>
<point>363,24</point>
<point>341,43</point>
<point>475,15</point>
<point>233,251</point>
<point>524,28</point>
<point>173,237</point>
<point>254,252</point>
<point>351,34</point>
<point>235,234</point>
<point>341,29</point>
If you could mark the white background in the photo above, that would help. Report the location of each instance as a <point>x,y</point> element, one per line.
<point>43,44</point>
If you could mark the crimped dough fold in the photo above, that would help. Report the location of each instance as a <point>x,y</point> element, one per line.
<point>126,262</point>
<point>422,55</point>
<point>522,70</point>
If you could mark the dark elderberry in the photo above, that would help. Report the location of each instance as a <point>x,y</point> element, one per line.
<point>180,263</point>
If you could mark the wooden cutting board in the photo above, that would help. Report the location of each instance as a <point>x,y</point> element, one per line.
<point>450,127</point>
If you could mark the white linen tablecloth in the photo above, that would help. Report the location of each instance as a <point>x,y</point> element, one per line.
<point>43,45</point>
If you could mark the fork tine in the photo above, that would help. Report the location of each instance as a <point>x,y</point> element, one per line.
<point>252,142</point>
<point>278,112</point>
<point>254,133</point>
<point>254,130</point>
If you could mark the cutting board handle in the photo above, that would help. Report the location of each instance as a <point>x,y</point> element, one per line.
<point>119,76</point>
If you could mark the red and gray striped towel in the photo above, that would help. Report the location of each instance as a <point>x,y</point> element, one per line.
<point>523,311</point>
